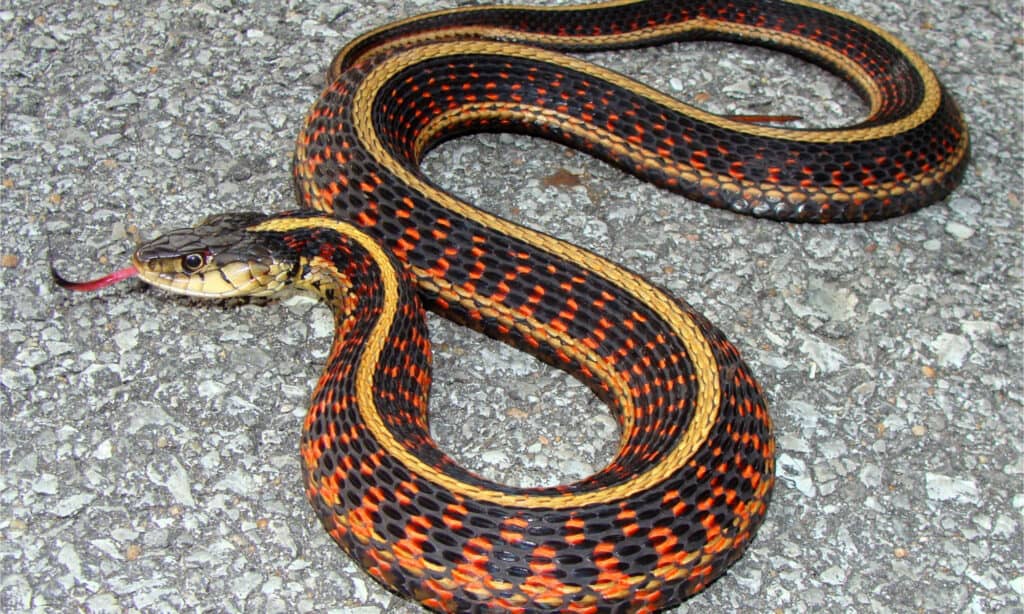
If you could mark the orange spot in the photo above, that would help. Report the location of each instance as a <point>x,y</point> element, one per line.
<point>453,515</point>
<point>360,522</point>
<point>365,219</point>
<point>513,529</point>
<point>405,491</point>
<point>574,531</point>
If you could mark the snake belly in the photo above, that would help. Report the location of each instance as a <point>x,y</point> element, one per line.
<point>692,478</point>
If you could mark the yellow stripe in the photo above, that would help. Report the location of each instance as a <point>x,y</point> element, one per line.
<point>845,65</point>
<point>700,352</point>
<point>557,340</point>
<point>698,348</point>
<point>930,101</point>
<point>707,400</point>
<point>440,35</point>
<point>931,97</point>
<point>752,191</point>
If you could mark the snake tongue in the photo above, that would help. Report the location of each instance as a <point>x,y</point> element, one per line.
<point>95,284</point>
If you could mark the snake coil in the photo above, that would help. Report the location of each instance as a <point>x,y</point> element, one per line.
<point>692,478</point>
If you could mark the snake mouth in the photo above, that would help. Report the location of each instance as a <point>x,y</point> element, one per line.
<point>95,284</point>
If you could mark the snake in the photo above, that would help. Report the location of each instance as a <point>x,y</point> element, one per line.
<point>381,242</point>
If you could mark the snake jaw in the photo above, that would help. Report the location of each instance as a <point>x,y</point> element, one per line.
<point>218,279</point>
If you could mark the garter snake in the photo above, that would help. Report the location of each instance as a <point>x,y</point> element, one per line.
<point>378,240</point>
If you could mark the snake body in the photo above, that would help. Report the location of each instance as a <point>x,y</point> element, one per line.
<point>692,478</point>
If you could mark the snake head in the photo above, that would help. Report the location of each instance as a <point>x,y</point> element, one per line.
<point>218,258</point>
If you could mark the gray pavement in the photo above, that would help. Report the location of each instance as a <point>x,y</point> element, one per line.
<point>148,444</point>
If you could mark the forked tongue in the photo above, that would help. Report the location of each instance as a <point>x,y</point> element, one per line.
<point>95,284</point>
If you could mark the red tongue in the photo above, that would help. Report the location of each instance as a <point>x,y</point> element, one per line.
<point>96,284</point>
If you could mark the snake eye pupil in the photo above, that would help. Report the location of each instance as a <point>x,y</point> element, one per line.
<point>192,262</point>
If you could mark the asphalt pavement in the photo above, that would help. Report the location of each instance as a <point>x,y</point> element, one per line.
<point>148,444</point>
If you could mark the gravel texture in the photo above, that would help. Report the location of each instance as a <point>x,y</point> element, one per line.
<point>148,444</point>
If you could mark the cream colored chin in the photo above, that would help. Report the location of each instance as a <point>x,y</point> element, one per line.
<point>231,280</point>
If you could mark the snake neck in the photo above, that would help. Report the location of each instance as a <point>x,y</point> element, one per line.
<point>377,374</point>
<point>342,266</point>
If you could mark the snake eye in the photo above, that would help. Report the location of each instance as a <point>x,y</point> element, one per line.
<point>190,263</point>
